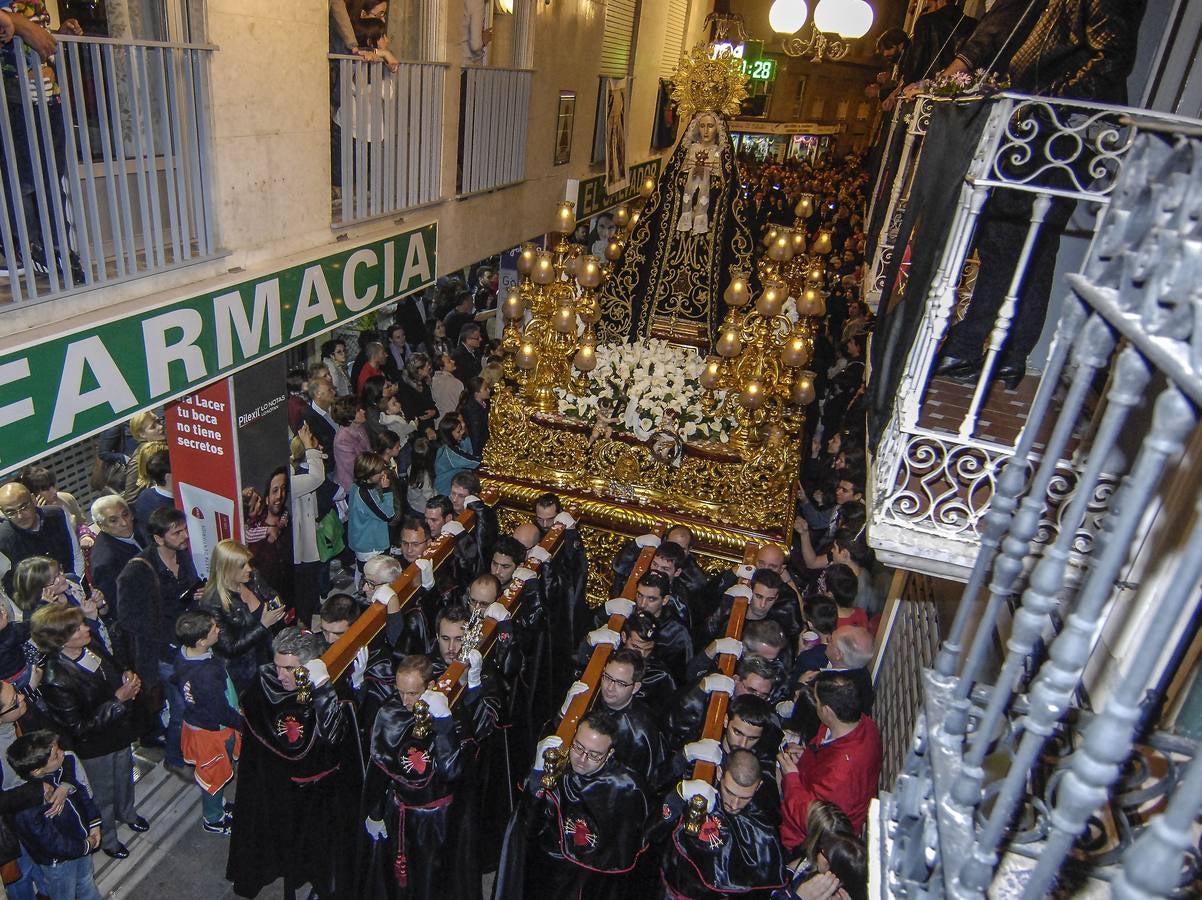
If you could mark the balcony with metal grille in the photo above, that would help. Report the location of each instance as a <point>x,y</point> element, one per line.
<point>104,165</point>
<point>1079,536</point>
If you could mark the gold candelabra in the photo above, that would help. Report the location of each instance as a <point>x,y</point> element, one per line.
<point>551,314</point>
<point>761,353</point>
<point>558,289</point>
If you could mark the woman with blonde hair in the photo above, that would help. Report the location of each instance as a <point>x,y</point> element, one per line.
<point>246,610</point>
<point>148,430</point>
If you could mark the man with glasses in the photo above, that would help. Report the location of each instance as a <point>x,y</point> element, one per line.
<point>32,530</point>
<point>583,837</point>
<point>753,675</point>
<point>638,741</point>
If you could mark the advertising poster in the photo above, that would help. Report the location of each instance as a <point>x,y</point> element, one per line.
<point>200,436</point>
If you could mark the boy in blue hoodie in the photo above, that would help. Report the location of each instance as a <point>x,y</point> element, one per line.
<point>58,844</point>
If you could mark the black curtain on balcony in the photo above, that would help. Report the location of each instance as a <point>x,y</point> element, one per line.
<point>883,161</point>
<point>946,153</point>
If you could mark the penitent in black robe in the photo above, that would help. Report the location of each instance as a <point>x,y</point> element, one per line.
<point>580,840</point>
<point>299,781</point>
<point>731,853</point>
<point>413,786</point>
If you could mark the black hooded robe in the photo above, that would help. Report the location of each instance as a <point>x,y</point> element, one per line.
<point>581,840</point>
<point>299,779</point>
<point>413,786</point>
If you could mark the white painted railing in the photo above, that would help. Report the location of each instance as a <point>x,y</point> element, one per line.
<point>104,164</point>
<point>386,143</point>
<point>494,108</point>
<point>931,485</point>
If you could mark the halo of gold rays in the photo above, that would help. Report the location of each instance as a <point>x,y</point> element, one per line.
<point>704,82</point>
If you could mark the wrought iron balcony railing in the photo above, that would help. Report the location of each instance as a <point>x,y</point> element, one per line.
<point>940,452</point>
<point>1051,774</point>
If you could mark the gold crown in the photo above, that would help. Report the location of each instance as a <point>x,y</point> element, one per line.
<point>703,81</point>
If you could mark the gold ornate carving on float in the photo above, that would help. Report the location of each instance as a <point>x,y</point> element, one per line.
<point>714,490</point>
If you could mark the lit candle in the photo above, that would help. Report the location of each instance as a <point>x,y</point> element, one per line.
<point>813,303</point>
<point>586,358</point>
<point>621,216</point>
<point>526,259</point>
<point>565,218</point>
<point>565,320</point>
<point>771,300</point>
<point>737,293</point>
<point>647,189</point>
<point>527,356</point>
<point>728,343</point>
<point>752,395</point>
<point>781,248</point>
<point>795,352</point>
<point>544,269</point>
<point>588,273</point>
<point>711,374</point>
<point>822,243</point>
<point>513,307</point>
<point>803,389</point>
<point>613,250</point>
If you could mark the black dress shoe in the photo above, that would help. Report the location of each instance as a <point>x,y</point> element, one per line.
<point>118,852</point>
<point>140,825</point>
<point>956,368</point>
<point>1011,374</point>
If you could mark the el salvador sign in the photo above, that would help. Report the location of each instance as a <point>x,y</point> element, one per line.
<point>83,381</point>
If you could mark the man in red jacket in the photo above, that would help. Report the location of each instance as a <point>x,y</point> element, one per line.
<point>842,764</point>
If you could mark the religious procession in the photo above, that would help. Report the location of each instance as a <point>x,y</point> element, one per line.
<point>730,537</point>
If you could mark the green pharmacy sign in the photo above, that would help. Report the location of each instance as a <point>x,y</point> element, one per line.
<point>81,382</point>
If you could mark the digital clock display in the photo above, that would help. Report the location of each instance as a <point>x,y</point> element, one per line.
<point>762,69</point>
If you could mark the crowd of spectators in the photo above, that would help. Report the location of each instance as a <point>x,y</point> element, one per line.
<point>114,640</point>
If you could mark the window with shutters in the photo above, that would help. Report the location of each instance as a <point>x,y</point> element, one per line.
<point>674,28</point>
<point>617,41</point>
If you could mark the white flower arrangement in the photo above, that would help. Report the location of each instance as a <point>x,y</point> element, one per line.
<point>644,380</point>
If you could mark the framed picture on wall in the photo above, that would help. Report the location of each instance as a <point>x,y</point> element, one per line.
<point>564,122</point>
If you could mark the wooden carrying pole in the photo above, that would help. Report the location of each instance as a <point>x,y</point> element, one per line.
<point>715,711</point>
<point>342,653</point>
<point>452,681</point>
<point>556,758</point>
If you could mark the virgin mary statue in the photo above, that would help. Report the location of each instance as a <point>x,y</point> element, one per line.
<point>695,228</point>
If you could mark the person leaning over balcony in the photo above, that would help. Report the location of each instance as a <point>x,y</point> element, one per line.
<point>842,763</point>
<point>1075,49</point>
<point>30,21</point>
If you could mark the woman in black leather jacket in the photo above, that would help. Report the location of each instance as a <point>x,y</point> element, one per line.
<point>91,703</point>
<point>246,609</point>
